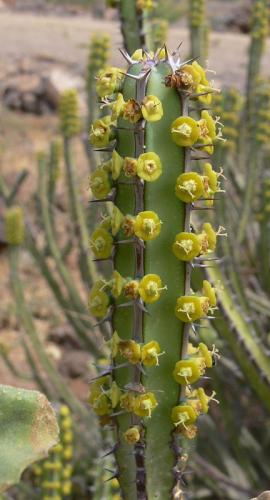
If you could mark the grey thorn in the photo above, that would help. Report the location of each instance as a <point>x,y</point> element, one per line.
<point>202,145</point>
<point>109,198</point>
<point>106,149</point>
<point>144,74</point>
<point>105,320</point>
<point>141,306</point>
<point>201,259</point>
<point>124,304</point>
<point>200,157</point>
<point>103,260</point>
<point>125,242</point>
<point>190,61</point>
<point>134,77</point>
<point>164,47</point>
<point>111,470</point>
<point>111,478</point>
<point>117,413</point>
<point>102,374</point>
<point>200,326</point>
<point>126,56</point>
<point>177,50</point>
<point>110,452</point>
<point>202,208</point>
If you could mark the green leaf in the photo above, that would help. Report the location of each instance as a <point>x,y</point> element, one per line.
<point>28,430</point>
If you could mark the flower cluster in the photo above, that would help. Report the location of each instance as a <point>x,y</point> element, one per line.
<point>187,246</point>
<point>186,413</point>
<point>146,226</point>
<point>191,186</point>
<point>148,289</point>
<point>191,79</point>
<point>186,132</point>
<point>192,368</point>
<point>105,396</point>
<point>146,354</point>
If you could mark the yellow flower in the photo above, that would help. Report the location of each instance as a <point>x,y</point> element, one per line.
<point>207,125</point>
<point>66,488</point>
<point>130,166</point>
<point>147,225</point>
<point>67,453</point>
<point>211,236</point>
<point>145,404</point>
<point>117,107</point>
<point>132,435</point>
<point>128,401</point>
<point>116,220</point>
<point>68,437</point>
<point>206,97</point>
<point>149,167</point>
<point>131,289</point>
<point>187,246</point>
<point>98,302</point>
<point>64,411</point>
<point>209,291</point>
<point>145,4</point>
<point>185,131</point>
<point>100,183</point>
<point>139,55</point>
<point>101,243</point>
<point>116,165</point>
<point>102,405</point>
<point>150,288</point>
<point>191,307</point>
<point>130,350</point>
<point>188,371</point>
<point>106,223</point>
<point>152,109</point>
<point>114,394</point>
<point>188,77</point>
<point>199,400</point>
<point>150,353</point>
<point>202,73</point>
<point>189,187</point>
<point>97,391</point>
<point>116,284</point>
<point>161,53</point>
<point>208,148</point>
<point>109,81</point>
<point>212,183</point>
<point>100,132</point>
<point>132,111</point>
<point>183,415</point>
<point>206,354</point>
<point>113,344</point>
<point>67,471</point>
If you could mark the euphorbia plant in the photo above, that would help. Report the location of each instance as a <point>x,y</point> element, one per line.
<point>152,142</point>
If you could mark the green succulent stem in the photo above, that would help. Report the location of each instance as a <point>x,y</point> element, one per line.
<point>75,299</point>
<point>198,29</point>
<point>242,340</point>
<point>132,25</point>
<point>151,314</point>
<point>29,327</point>
<point>88,269</point>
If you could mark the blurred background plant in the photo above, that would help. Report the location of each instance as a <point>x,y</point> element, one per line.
<point>229,459</point>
